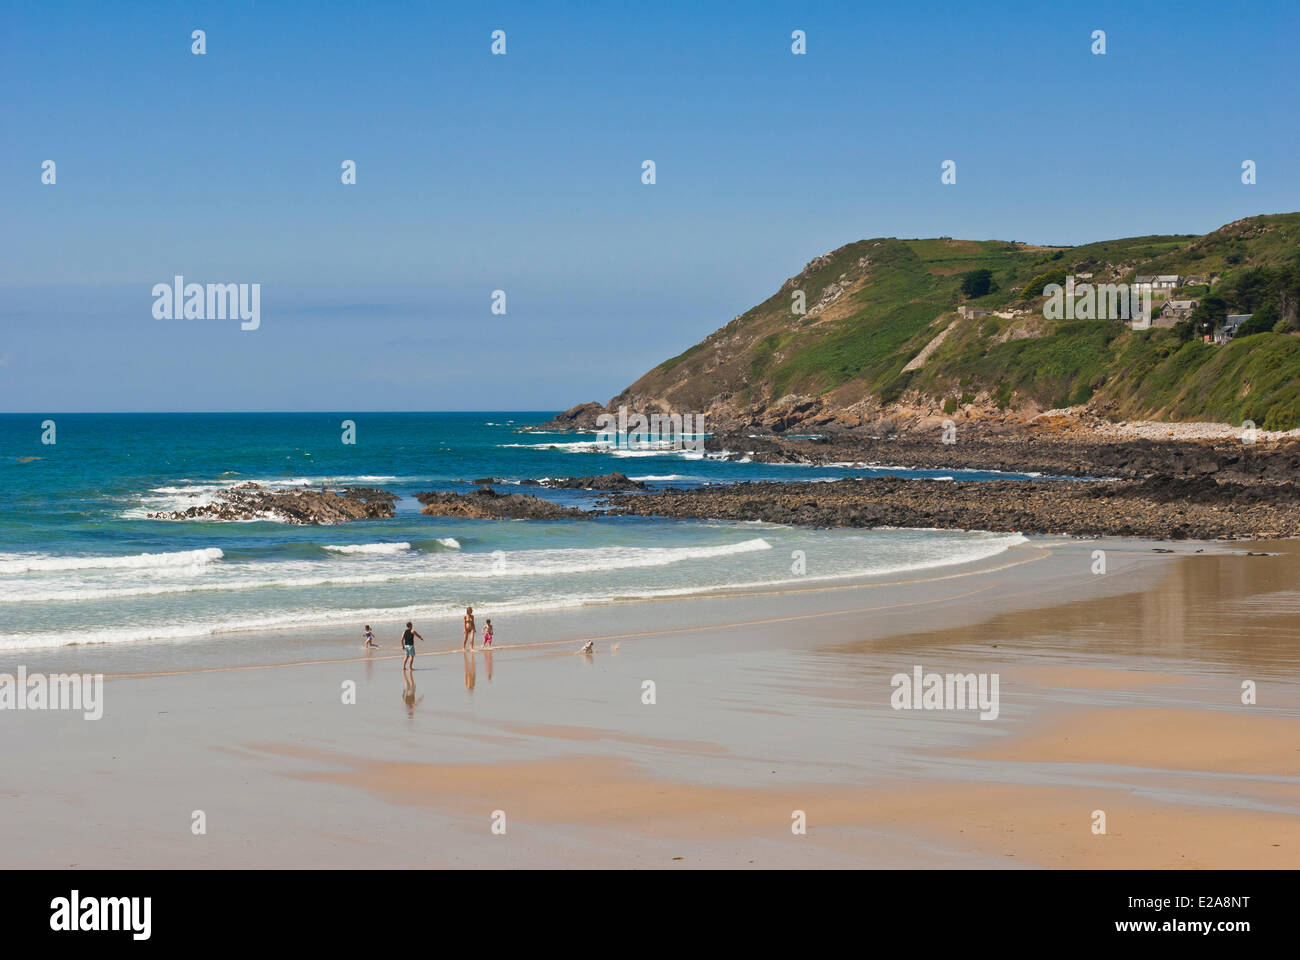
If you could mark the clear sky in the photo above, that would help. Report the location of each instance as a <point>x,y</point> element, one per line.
<point>523,173</point>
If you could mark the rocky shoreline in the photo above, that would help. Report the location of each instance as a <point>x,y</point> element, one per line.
<point>1069,443</point>
<point>251,501</point>
<point>1172,508</point>
<point>1029,451</point>
<point>1196,504</point>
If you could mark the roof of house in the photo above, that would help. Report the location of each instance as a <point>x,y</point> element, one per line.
<point>1181,304</point>
<point>1148,279</point>
<point>1171,277</point>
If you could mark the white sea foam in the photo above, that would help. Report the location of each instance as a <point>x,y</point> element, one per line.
<point>571,446</point>
<point>384,568</point>
<point>941,553</point>
<point>14,563</point>
<point>289,619</point>
<point>369,548</point>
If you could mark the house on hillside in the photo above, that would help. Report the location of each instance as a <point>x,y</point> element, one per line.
<point>1195,280</point>
<point>1228,329</point>
<point>1173,311</point>
<point>973,312</point>
<point>1140,284</point>
<point>1166,282</point>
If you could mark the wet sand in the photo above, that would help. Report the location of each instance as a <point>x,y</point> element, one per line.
<point>1118,693</point>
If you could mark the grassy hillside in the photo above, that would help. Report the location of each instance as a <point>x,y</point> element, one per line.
<point>872,306</point>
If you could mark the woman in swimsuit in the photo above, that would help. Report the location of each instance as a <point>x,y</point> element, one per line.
<point>469,628</point>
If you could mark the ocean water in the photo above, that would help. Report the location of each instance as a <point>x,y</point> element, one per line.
<point>81,563</point>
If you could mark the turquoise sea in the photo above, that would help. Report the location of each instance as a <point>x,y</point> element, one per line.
<point>80,563</point>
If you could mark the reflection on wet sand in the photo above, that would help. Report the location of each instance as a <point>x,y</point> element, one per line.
<point>1218,610</point>
<point>470,669</point>
<point>408,695</point>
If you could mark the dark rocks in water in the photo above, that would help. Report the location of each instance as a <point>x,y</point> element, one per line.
<point>606,481</point>
<point>486,503</point>
<point>1165,508</point>
<point>251,501</point>
<point>581,417</point>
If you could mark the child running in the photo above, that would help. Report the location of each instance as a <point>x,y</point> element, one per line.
<point>370,638</point>
<point>408,644</point>
<point>487,634</point>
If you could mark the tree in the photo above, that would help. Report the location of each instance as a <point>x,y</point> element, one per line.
<point>1210,314</point>
<point>977,283</point>
<point>1252,289</point>
<point>1262,320</point>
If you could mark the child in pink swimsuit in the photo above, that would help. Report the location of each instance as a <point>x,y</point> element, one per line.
<point>487,634</point>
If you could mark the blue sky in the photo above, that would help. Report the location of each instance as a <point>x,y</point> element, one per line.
<point>523,172</point>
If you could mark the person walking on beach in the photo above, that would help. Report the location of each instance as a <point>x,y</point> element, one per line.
<point>408,644</point>
<point>469,628</point>
<point>370,638</point>
<point>487,634</point>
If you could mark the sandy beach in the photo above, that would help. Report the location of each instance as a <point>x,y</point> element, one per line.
<point>1119,693</point>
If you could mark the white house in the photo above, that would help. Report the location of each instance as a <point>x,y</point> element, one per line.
<point>1166,281</point>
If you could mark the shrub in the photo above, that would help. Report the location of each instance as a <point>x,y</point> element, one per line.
<point>977,283</point>
<point>1034,288</point>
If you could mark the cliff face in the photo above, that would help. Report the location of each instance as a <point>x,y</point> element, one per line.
<point>873,332</point>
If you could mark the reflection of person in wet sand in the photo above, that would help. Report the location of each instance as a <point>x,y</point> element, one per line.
<point>408,695</point>
<point>487,657</point>
<point>470,671</point>
<point>469,628</point>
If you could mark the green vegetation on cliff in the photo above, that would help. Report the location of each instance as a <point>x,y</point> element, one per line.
<point>873,306</point>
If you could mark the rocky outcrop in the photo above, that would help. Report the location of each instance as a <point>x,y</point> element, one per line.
<point>486,504</point>
<point>1159,508</point>
<point>1025,450</point>
<point>606,481</point>
<point>251,501</point>
<point>579,418</point>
